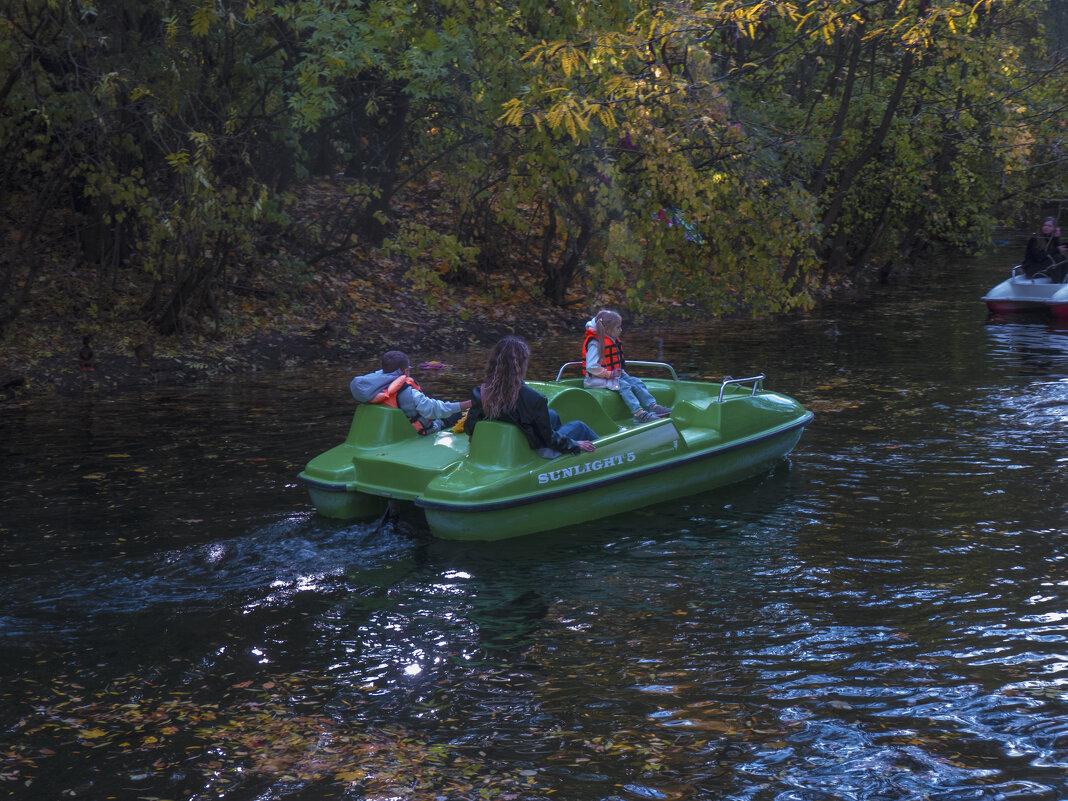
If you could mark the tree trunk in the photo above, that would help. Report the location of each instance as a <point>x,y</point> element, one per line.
<point>819,178</point>
<point>835,253</point>
<point>559,274</point>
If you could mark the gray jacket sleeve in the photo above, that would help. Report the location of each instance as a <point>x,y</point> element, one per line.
<point>415,404</point>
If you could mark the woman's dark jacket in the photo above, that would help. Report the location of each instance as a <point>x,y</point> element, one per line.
<point>531,414</point>
<point>1042,252</point>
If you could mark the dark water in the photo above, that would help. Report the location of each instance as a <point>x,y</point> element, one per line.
<point>884,616</point>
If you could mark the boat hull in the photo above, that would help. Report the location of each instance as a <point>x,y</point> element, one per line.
<point>492,486</point>
<point>345,504</point>
<point>1021,294</point>
<point>702,473</point>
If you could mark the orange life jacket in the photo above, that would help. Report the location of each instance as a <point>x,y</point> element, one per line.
<point>611,352</point>
<point>388,397</point>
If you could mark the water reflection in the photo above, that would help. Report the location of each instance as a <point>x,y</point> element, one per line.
<point>881,617</point>
<point>1034,347</point>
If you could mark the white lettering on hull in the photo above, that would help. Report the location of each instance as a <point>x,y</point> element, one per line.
<point>550,476</point>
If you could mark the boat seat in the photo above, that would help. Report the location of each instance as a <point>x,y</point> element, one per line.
<point>374,425</point>
<point>698,413</point>
<point>663,391</point>
<point>499,446</point>
<point>579,404</point>
<point>611,402</point>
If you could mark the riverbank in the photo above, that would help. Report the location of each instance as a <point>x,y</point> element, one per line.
<point>272,316</point>
<point>341,316</point>
<point>344,310</point>
<point>53,360</point>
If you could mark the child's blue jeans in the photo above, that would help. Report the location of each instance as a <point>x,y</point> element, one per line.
<point>635,394</point>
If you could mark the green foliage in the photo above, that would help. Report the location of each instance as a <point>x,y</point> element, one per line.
<point>430,254</point>
<point>729,107</point>
<point>806,143</point>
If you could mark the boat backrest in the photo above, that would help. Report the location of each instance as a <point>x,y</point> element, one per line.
<point>664,391</point>
<point>500,446</point>
<point>578,404</point>
<point>374,424</point>
<point>698,413</point>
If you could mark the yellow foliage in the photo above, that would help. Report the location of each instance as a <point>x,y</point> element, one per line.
<point>536,52</point>
<point>513,113</point>
<point>568,60</point>
<point>202,19</point>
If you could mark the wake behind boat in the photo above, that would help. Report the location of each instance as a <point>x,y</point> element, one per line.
<point>493,486</point>
<point>1020,293</point>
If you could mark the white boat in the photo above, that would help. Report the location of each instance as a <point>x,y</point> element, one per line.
<point>1018,293</point>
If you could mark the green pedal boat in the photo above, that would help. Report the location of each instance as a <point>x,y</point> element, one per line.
<point>493,486</point>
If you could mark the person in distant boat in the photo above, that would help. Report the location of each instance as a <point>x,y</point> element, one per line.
<point>1058,272</point>
<point>503,396</point>
<point>1045,254</point>
<point>604,367</point>
<point>393,386</point>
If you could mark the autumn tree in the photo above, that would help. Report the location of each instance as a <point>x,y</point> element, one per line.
<point>811,143</point>
<point>745,155</point>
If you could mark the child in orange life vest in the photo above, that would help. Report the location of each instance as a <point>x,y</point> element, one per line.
<point>393,386</point>
<point>605,367</point>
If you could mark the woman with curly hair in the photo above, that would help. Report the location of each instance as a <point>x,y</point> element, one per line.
<point>504,397</point>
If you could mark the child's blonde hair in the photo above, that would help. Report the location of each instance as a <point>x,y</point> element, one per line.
<point>604,320</point>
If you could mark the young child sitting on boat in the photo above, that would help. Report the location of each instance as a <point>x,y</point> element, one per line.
<point>605,367</point>
<point>393,386</point>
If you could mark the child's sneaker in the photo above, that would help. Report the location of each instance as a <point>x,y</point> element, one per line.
<point>645,417</point>
<point>660,411</point>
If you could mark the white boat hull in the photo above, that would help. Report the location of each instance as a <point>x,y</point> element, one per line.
<point>1018,293</point>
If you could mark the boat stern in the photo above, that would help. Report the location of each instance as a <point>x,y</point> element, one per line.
<point>382,458</point>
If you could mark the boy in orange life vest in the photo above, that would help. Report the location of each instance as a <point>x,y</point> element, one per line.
<point>393,386</point>
<point>605,367</point>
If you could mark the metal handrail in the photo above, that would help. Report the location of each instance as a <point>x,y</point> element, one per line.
<point>1018,272</point>
<point>756,379</point>
<point>670,369</point>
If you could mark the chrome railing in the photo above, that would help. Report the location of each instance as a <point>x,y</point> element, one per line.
<point>630,362</point>
<point>757,380</point>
